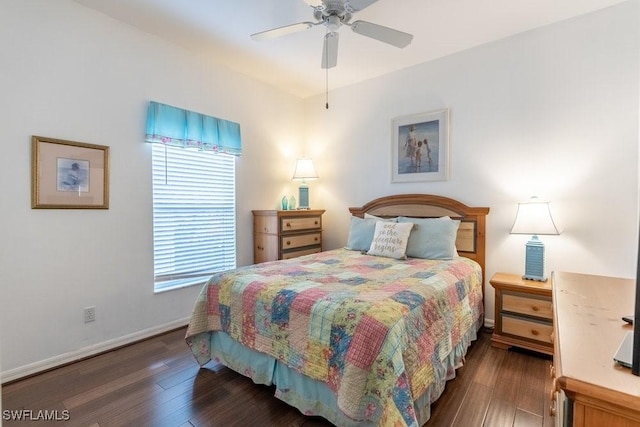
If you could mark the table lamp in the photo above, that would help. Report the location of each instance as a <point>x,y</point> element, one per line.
<point>534,217</point>
<point>304,170</point>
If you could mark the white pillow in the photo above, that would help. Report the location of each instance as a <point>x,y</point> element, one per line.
<point>379,218</point>
<point>390,239</point>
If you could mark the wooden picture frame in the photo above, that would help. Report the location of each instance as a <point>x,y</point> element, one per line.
<point>68,174</point>
<point>420,147</point>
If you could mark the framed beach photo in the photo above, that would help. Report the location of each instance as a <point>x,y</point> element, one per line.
<point>420,147</point>
<point>68,175</point>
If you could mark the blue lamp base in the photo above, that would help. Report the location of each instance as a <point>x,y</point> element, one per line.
<point>534,260</point>
<point>303,196</point>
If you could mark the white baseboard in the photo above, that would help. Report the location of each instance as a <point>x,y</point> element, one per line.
<point>34,368</point>
<point>82,353</point>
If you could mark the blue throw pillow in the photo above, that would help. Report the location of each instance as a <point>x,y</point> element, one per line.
<point>432,238</point>
<point>361,233</point>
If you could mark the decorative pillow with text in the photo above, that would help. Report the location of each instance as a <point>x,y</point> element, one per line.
<point>390,239</point>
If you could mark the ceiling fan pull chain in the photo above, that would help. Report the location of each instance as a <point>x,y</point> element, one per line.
<point>326,106</point>
<point>326,58</point>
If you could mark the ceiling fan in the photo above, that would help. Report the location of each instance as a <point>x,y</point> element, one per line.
<point>333,14</point>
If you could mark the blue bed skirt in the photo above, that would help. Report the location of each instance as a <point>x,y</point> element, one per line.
<point>312,397</point>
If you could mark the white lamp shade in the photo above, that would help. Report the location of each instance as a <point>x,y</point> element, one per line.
<point>534,217</point>
<point>305,170</point>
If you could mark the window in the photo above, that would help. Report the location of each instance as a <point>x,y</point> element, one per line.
<point>194,217</point>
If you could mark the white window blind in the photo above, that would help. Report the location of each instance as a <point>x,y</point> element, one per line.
<point>194,217</point>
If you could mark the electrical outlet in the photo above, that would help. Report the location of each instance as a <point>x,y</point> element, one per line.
<point>89,314</point>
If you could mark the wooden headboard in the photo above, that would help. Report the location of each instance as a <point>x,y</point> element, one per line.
<point>471,234</point>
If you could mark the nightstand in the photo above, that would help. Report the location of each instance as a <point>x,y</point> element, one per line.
<point>524,313</point>
<point>286,234</point>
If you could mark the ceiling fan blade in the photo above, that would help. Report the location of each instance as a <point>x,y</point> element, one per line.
<point>330,50</point>
<point>356,5</point>
<point>281,31</point>
<point>384,34</point>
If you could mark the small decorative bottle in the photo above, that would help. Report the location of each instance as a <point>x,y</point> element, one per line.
<point>292,203</point>
<point>284,203</point>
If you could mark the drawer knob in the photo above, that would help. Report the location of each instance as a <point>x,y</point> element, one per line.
<point>288,242</point>
<point>534,332</point>
<point>535,308</point>
<point>315,239</point>
<point>316,222</point>
<point>288,225</point>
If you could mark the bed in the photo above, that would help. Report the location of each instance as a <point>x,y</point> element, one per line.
<point>356,336</point>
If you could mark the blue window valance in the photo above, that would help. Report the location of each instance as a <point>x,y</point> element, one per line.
<point>175,126</point>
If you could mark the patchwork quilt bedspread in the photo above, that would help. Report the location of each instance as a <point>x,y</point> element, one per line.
<point>371,328</point>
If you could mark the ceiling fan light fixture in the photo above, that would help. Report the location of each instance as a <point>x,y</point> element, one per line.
<point>332,23</point>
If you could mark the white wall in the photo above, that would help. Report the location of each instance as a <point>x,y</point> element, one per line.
<point>552,112</point>
<point>71,73</point>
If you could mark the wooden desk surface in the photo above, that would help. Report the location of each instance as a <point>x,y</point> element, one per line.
<point>588,312</point>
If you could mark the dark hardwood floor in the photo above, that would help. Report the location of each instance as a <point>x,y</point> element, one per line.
<point>157,383</point>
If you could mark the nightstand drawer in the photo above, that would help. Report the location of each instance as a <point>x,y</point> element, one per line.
<point>299,224</point>
<point>299,241</point>
<point>524,313</point>
<point>529,329</point>
<point>527,304</point>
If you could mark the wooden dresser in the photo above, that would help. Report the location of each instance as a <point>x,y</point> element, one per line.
<point>588,331</point>
<point>286,234</point>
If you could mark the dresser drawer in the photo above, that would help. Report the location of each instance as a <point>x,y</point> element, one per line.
<point>527,304</point>
<point>295,254</point>
<point>526,328</point>
<point>301,240</point>
<point>300,224</point>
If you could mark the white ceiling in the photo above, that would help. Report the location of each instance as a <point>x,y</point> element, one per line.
<point>220,29</point>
